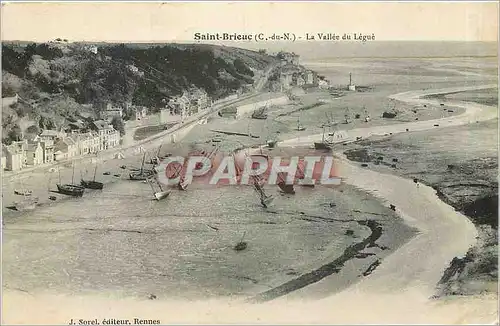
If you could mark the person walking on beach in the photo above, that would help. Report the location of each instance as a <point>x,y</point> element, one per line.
<point>416,181</point>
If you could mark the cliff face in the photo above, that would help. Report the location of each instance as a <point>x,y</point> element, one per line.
<point>54,80</point>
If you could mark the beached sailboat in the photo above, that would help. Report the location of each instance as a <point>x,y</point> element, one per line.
<point>257,184</point>
<point>270,142</point>
<point>158,191</point>
<point>241,245</point>
<point>142,174</point>
<point>183,184</point>
<point>70,189</point>
<point>300,127</point>
<point>265,199</point>
<point>26,204</point>
<point>173,171</point>
<point>260,114</point>
<point>346,116</point>
<point>156,160</point>
<point>367,116</point>
<point>92,184</point>
<point>22,191</point>
<point>281,182</point>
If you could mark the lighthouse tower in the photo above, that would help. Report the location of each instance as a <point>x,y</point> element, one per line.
<point>351,86</point>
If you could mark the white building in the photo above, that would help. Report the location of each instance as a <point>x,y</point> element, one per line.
<point>108,136</point>
<point>323,84</point>
<point>34,153</point>
<point>65,148</point>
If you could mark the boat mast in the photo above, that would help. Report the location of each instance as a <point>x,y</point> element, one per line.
<point>59,171</point>
<point>159,148</point>
<point>151,185</point>
<point>268,132</point>
<point>158,184</point>
<point>142,165</point>
<point>323,137</point>
<point>258,187</point>
<point>73,174</point>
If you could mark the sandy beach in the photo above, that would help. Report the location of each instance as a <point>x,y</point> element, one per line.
<point>416,252</point>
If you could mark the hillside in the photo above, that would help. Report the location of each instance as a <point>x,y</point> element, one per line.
<point>58,80</point>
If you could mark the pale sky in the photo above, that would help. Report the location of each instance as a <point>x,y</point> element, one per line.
<point>157,22</point>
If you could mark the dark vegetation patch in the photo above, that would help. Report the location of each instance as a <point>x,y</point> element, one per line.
<point>148,131</point>
<point>57,81</point>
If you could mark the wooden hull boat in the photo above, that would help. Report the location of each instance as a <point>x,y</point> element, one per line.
<point>23,192</point>
<point>182,185</point>
<point>158,192</point>
<point>287,189</point>
<point>161,195</point>
<point>141,176</point>
<point>271,144</point>
<point>265,201</point>
<point>260,114</point>
<point>322,145</point>
<point>71,190</point>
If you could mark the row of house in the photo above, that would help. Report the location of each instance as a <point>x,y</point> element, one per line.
<point>190,102</point>
<point>52,145</point>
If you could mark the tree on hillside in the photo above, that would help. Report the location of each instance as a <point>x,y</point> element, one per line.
<point>15,134</point>
<point>33,129</point>
<point>118,124</point>
<point>46,123</point>
<point>242,68</point>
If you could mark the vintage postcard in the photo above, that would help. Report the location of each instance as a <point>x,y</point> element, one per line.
<point>249,163</point>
